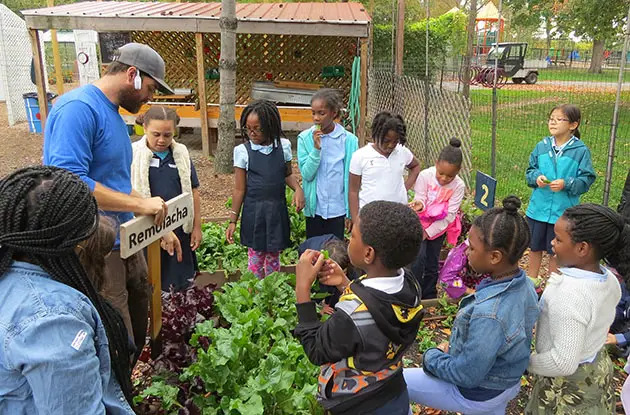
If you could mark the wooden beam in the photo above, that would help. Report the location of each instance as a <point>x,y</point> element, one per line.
<point>400,38</point>
<point>113,23</point>
<point>155,278</point>
<point>56,57</point>
<point>363,93</point>
<point>39,77</point>
<point>201,90</point>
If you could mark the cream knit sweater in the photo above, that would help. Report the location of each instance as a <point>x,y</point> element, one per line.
<point>142,156</point>
<point>575,317</point>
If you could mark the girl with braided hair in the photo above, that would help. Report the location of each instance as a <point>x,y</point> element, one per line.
<point>376,169</point>
<point>479,371</point>
<point>64,349</point>
<point>262,170</point>
<point>573,371</point>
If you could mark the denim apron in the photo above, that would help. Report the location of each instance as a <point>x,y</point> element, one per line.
<point>265,218</point>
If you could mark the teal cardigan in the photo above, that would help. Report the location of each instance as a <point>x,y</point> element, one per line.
<point>308,161</point>
<point>574,166</point>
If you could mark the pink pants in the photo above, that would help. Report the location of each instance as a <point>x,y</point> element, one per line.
<point>262,264</point>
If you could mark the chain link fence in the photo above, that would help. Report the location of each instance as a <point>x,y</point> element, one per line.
<point>522,113</point>
<point>432,115</point>
<point>15,63</point>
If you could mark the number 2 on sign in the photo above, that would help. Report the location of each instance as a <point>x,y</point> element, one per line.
<point>485,189</point>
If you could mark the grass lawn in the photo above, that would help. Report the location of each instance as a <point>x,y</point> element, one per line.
<point>522,123</point>
<point>581,74</point>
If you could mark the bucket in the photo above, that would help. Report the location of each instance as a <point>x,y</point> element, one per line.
<point>33,116</point>
<point>139,130</point>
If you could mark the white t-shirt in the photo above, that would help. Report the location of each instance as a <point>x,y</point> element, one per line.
<point>381,177</point>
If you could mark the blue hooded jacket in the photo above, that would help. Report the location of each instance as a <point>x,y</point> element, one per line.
<point>573,164</point>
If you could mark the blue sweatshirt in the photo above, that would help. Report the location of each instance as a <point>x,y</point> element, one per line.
<point>86,135</point>
<point>573,164</point>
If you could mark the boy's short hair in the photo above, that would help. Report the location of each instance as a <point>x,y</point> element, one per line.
<point>338,251</point>
<point>393,230</point>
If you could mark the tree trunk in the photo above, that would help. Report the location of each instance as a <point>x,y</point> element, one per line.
<point>548,32</point>
<point>470,30</point>
<point>598,56</point>
<point>227,88</point>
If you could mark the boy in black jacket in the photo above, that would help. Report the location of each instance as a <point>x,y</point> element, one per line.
<point>360,347</point>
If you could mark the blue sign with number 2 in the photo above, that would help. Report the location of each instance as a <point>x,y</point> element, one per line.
<point>484,191</point>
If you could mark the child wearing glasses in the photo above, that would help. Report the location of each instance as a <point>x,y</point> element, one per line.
<point>560,171</point>
<point>262,170</point>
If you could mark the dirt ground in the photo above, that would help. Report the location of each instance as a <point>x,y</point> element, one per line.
<point>19,148</point>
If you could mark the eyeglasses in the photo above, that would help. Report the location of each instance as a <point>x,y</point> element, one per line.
<point>556,120</point>
<point>255,131</point>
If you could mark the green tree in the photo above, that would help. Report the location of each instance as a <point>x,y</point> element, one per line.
<point>529,15</point>
<point>601,21</point>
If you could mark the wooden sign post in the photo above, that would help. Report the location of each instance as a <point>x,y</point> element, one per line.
<point>141,232</point>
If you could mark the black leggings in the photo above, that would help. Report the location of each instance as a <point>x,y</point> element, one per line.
<point>426,266</point>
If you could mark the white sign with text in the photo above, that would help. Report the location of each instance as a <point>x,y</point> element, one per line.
<point>142,231</point>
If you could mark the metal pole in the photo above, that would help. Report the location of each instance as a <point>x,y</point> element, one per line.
<point>400,37</point>
<point>493,153</point>
<point>615,120</point>
<point>427,162</point>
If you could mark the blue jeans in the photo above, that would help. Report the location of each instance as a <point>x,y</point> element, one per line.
<point>397,406</point>
<point>438,394</point>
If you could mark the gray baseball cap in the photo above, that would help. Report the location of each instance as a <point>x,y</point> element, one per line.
<point>147,60</point>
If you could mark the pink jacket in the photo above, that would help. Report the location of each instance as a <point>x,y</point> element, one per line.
<point>441,205</point>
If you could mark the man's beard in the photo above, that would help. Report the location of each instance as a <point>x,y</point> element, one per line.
<point>130,100</point>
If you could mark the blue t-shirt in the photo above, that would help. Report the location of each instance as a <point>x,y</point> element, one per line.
<point>86,135</point>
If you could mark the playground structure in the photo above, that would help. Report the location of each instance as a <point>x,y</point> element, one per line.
<point>291,46</point>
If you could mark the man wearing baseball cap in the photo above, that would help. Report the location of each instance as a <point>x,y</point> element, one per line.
<point>86,135</point>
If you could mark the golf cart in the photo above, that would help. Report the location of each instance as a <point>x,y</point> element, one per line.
<point>511,57</point>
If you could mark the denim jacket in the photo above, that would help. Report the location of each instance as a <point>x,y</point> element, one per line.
<point>54,355</point>
<point>491,337</point>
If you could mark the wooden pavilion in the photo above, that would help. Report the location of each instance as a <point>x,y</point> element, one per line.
<point>294,47</point>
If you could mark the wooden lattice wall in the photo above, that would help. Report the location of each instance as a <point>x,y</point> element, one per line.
<point>284,57</point>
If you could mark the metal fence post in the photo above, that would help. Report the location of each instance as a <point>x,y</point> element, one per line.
<point>615,120</point>
<point>493,151</point>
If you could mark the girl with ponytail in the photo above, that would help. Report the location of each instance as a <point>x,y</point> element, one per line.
<point>64,349</point>
<point>573,371</point>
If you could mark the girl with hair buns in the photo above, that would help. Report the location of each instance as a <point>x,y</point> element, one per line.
<point>439,194</point>
<point>573,371</point>
<point>479,370</point>
<point>64,349</point>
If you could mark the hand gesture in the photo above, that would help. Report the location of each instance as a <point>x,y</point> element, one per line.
<point>611,339</point>
<point>309,265</point>
<point>416,205</point>
<point>171,244</point>
<point>349,224</point>
<point>317,137</point>
<point>229,233</point>
<point>332,274</point>
<point>557,185</point>
<point>443,347</point>
<point>542,181</point>
<point>154,206</point>
<point>298,200</point>
<point>195,238</point>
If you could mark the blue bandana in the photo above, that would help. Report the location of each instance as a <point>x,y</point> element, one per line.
<point>161,154</point>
